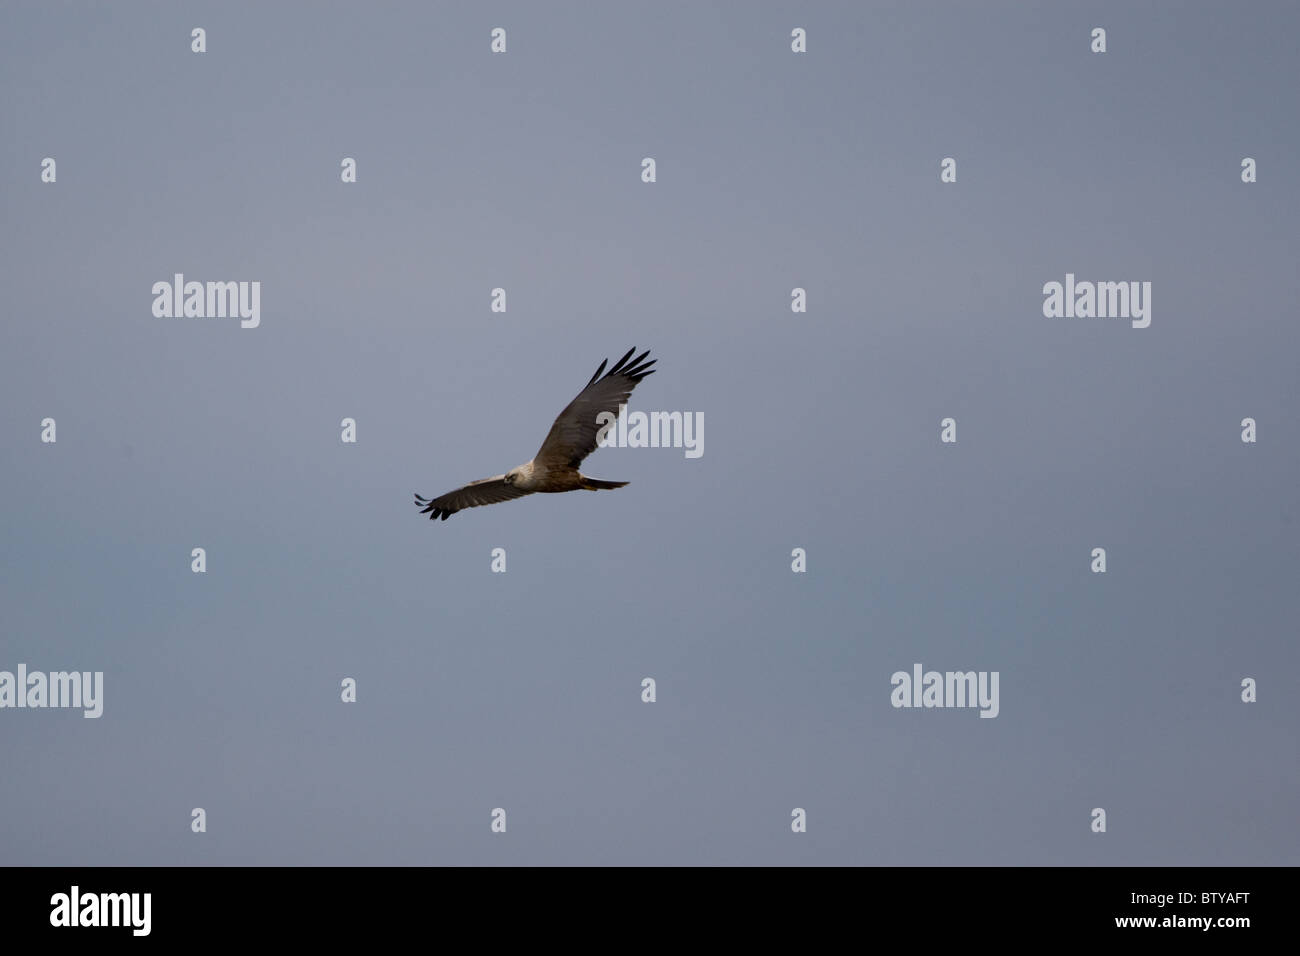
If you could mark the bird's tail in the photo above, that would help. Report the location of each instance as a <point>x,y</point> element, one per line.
<point>595,484</point>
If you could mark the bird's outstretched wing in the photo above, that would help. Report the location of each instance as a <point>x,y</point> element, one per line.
<point>485,491</point>
<point>573,436</point>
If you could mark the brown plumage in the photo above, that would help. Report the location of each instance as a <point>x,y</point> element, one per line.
<point>571,439</point>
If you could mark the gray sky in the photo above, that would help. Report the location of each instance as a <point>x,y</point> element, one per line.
<point>522,690</point>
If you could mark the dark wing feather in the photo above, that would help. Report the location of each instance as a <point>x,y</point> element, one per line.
<point>486,491</point>
<point>573,436</point>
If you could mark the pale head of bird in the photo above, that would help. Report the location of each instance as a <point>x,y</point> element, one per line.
<point>519,475</point>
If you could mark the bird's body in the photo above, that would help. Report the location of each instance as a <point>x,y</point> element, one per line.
<point>533,478</point>
<point>571,439</point>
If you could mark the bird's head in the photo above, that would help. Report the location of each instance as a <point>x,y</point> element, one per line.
<point>520,475</point>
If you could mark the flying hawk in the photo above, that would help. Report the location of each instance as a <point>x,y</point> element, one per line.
<point>571,439</point>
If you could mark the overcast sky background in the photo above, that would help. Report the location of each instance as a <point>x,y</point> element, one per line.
<point>522,690</point>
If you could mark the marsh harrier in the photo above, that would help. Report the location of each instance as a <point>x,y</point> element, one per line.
<point>572,438</point>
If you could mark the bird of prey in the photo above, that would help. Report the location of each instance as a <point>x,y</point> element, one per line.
<point>572,438</point>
